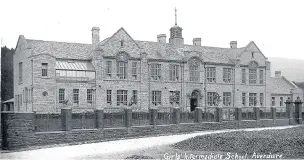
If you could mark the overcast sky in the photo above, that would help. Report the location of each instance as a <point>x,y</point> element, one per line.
<point>277,27</point>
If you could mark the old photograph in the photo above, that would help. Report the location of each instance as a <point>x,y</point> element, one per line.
<point>168,80</point>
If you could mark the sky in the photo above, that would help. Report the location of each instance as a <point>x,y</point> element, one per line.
<point>276,26</point>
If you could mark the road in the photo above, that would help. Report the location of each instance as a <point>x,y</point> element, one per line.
<point>112,147</point>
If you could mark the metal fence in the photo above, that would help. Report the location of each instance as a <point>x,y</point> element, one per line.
<point>163,118</point>
<point>265,113</point>
<point>209,114</point>
<point>187,117</point>
<point>247,113</point>
<point>281,113</point>
<point>228,114</point>
<point>116,117</point>
<point>84,120</point>
<point>140,118</point>
<point>47,122</point>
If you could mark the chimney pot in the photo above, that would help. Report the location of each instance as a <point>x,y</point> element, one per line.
<point>95,35</point>
<point>197,41</point>
<point>161,38</point>
<point>233,44</point>
<point>278,74</point>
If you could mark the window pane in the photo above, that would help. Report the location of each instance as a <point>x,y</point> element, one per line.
<point>61,95</point>
<point>211,74</point>
<point>76,96</point>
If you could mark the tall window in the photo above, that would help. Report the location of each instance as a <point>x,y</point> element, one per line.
<point>122,97</point>
<point>61,95</point>
<point>173,72</point>
<point>20,100</point>
<point>252,99</point>
<point>252,76</point>
<point>261,99</point>
<point>76,96</point>
<point>174,96</point>
<point>122,70</point>
<point>211,98</point>
<point>155,71</point>
<point>227,74</point>
<point>109,68</point>
<point>244,76</point>
<point>134,97</point>
<point>156,97</point>
<point>194,73</point>
<point>211,74</point>
<point>281,101</point>
<point>134,70</point>
<point>109,96</point>
<point>44,69</point>
<point>244,99</point>
<point>89,95</point>
<point>227,98</point>
<point>20,72</point>
<point>273,101</point>
<point>261,76</point>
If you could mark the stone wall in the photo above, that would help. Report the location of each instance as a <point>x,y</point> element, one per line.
<point>19,131</point>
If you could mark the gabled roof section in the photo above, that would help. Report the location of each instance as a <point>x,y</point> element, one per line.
<point>250,45</point>
<point>21,43</point>
<point>123,31</point>
<point>291,83</point>
<point>280,85</point>
<point>61,49</point>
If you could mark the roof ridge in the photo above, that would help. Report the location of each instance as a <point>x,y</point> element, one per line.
<point>213,47</point>
<point>58,41</point>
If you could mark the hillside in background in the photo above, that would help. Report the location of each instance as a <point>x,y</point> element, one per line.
<point>292,69</point>
<point>7,89</point>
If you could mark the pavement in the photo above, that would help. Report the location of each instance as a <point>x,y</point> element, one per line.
<point>113,147</point>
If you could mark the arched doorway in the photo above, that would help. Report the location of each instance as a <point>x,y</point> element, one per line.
<point>195,95</point>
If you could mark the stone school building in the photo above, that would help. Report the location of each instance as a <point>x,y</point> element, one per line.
<point>120,71</point>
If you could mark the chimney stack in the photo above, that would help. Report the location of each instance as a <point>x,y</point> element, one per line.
<point>197,41</point>
<point>277,74</point>
<point>233,44</point>
<point>95,35</point>
<point>161,38</point>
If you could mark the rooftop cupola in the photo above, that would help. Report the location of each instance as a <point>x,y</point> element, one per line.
<point>176,37</point>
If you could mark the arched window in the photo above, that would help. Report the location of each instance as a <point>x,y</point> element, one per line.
<point>194,64</point>
<point>253,72</point>
<point>122,65</point>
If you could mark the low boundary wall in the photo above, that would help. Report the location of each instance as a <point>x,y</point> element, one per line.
<point>20,132</point>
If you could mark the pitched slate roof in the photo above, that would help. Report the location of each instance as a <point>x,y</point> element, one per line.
<point>280,85</point>
<point>61,49</point>
<point>156,50</point>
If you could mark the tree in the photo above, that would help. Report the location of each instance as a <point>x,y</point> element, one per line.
<point>7,86</point>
